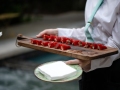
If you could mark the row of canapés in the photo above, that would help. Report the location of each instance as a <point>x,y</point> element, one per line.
<point>64,43</point>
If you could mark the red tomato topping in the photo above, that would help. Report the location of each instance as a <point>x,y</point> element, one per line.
<point>93,46</point>
<point>39,42</point>
<point>45,43</point>
<point>75,42</point>
<point>104,47</point>
<point>33,41</point>
<point>87,44</point>
<point>52,44</point>
<point>45,36</point>
<point>80,43</point>
<point>57,39</point>
<point>69,41</point>
<point>64,47</point>
<point>58,46</point>
<point>83,44</point>
<point>51,38</point>
<point>101,47</point>
<point>63,39</point>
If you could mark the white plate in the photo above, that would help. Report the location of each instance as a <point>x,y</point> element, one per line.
<point>42,77</point>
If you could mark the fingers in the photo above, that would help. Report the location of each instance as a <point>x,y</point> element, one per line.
<point>85,64</point>
<point>75,61</point>
<point>41,33</point>
<point>48,31</point>
<point>0,34</point>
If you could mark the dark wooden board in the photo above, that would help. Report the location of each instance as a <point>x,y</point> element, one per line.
<point>75,51</point>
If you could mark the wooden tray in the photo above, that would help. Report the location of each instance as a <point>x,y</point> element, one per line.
<point>75,51</point>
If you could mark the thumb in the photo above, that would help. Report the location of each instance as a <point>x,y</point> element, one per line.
<point>75,61</point>
<point>41,33</point>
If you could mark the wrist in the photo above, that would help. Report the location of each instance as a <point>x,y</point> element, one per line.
<point>56,32</point>
<point>87,68</point>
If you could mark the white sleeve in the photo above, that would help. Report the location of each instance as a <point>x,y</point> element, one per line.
<point>76,33</point>
<point>106,27</point>
<point>112,41</point>
<point>103,62</point>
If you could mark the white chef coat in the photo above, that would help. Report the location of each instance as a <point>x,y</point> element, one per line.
<point>105,29</point>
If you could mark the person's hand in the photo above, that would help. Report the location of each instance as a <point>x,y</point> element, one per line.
<point>84,64</point>
<point>0,34</point>
<point>48,31</point>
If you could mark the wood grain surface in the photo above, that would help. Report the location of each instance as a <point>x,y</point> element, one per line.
<point>75,51</point>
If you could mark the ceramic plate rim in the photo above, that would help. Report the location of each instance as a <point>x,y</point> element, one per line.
<point>62,80</point>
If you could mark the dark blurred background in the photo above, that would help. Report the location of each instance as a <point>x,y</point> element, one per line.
<point>23,10</point>
<point>29,17</point>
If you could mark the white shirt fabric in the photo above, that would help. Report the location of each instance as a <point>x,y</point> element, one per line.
<point>105,29</point>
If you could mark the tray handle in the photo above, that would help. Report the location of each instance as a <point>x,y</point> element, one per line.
<point>20,37</point>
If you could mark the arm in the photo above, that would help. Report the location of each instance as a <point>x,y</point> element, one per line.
<point>111,35</point>
<point>106,27</point>
<point>77,33</point>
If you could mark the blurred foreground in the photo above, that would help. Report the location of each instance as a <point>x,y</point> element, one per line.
<point>18,72</point>
<point>25,80</point>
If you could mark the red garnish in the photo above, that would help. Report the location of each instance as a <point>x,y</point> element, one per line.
<point>80,43</point>
<point>69,41</point>
<point>45,43</point>
<point>64,47</point>
<point>63,39</point>
<point>57,39</point>
<point>87,44</point>
<point>104,47</point>
<point>39,42</point>
<point>33,41</point>
<point>101,47</point>
<point>58,46</point>
<point>75,42</point>
<point>52,44</point>
<point>51,38</point>
<point>66,41</point>
<point>45,37</point>
<point>93,46</point>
